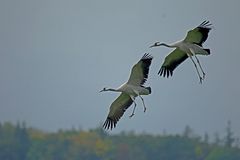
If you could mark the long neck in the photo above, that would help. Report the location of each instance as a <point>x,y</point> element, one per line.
<point>168,45</point>
<point>113,90</point>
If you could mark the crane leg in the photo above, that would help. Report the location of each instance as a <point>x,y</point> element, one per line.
<point>195,65</point>
<point>133,112</point>
<point>144,107</point>
<point>200,66</point>
<point>135,104</point>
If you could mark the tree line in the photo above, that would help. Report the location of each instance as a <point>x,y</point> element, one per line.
<point>18,142</point>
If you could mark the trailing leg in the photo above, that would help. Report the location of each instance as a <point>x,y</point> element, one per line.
<point>200,66</point>
<point>195,65</point>
<point>144,107</point>
<point>135,104</point>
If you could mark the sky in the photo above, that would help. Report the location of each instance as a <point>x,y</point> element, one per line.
<point>56,55</point>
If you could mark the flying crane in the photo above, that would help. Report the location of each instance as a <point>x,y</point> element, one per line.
<point>190,47</point>
<point>129,91</point>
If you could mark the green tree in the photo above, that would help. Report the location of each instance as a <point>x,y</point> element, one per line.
<point>229,139</point>
<point>14,142</point>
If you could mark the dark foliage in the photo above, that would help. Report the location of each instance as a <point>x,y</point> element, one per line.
<point>20,143</point>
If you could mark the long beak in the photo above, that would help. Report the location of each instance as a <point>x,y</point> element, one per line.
<point>101,91</point>
<point>152,46</point>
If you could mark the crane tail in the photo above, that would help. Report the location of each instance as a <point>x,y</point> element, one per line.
<point>149,89</point>
<point>208,51</point>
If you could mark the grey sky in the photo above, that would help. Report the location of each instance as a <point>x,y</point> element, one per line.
<point>55,56</point>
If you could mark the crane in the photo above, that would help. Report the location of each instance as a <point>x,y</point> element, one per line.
<point>188,47</point>
<point>129,91</point>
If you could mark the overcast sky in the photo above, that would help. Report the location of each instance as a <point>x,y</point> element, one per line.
<point>55,56</point>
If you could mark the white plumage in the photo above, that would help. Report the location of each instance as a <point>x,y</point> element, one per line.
<point>129,91</point>
<point>190,46</point>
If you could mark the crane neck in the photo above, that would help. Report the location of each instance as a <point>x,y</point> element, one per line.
<point>113,90</point>
<point>168,45</point>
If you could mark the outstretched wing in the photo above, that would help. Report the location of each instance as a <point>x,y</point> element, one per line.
<point>175,58</point>
<point>199,34</point>
<point>117,108</point>
<point>139,73</point>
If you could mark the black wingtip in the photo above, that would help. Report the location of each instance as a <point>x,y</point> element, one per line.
<point>109,123</point>
<point>165,72</point>
<point>147,56</point>
<point>205,24</point>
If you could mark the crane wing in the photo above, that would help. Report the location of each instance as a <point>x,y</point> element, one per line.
<point>139,73</point>
<point>199,34</point>
<point>117,108</point>
<point>175,58</point>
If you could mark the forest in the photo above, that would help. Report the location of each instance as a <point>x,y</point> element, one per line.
<point>19,142</point>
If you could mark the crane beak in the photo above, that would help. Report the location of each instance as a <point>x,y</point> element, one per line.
<point>152,46</point>
<point>155,44</point>
<point>101,91</point>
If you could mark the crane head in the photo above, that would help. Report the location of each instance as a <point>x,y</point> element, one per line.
<point>104,89</point>
<point>108,89</point>
<point>155,44</point>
